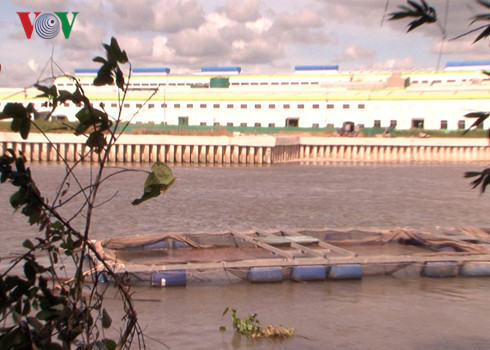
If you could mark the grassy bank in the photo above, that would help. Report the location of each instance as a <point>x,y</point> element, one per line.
<point>158,129</point>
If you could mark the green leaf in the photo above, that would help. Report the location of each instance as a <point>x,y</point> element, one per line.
<point>158,181</point>
<point>99,60</point>
<point>114,52</point>
<point>106,319</point>
<point>104,76</point>
<point>91,117</point>
<point>49,92</point>
<point>109,344</point>
<point>96,140</point>
<point>423,12</point>
<point>28,244</point>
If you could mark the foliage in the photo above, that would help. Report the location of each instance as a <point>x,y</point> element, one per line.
<point>39,309</point>
<point>426,14</point>
<point>422,11</point>
<point>250,326</point>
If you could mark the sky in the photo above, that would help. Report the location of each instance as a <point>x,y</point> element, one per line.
<point>260,36</point>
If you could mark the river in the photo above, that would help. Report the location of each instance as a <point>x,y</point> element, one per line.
<point>375,313</point>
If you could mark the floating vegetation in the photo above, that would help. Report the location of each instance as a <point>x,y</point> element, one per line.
<point>250,326</point>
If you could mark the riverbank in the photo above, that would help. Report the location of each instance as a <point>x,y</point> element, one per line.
<point>246,149</point>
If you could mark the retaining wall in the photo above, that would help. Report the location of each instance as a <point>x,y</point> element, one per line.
<point>262,149</point>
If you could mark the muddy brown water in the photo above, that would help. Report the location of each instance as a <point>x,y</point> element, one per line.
<point>384,312</point>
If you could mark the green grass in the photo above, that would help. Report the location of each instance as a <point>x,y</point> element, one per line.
<point>158,129</point>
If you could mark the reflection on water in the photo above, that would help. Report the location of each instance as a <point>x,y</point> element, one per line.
<point>375,313</point>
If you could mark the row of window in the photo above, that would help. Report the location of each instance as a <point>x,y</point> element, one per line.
<point>416,123</point>
<point>274,83</point>
<point>228,106</point>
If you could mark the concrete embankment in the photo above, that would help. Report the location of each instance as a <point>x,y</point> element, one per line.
<point>244,149</point>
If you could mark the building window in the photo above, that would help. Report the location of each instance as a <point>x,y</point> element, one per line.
<point>177,105</point>
<point>183,120</point>
<point>139,105</point>
<point>229,106</point>
<point>202,123</point>
<point>243,106</point>
<point>229,124</point>
<point>377,123</point>
<point>190,105</point>
<point>461,124</point>
<point>216,124</point>
<point>257,125</point>
<point>443,124</point>
<point>202,105</point>
<point>286,106</point>
<point>361,106</point>
<point>114,105</point>
<point>272,125</point>
<point>151,105</point>
<point>243,124</point>
<point>164,105</point>
<point>272,106</point>
<point>393,124</point>
<point>126,105</point>
<point>301,106</point>
<point>417,123</point>
<point>345,106</point>
<point>216,105</point>
<point>316,106</point>
<point>315,125</point>
<point>292,122</point>
<point>258,106</point>
<point>330,106</point>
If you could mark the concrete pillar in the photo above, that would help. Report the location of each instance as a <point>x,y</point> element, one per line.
<point>251,155</point>
<point>170,155</point>
<point>243,155</point>
<point>267,156</point>
<point>259,155</point>
<point>218,156</point>
<point>178,154</point>
<point>192,154</point>
<point>188,153</point>
<point>227,156</point>
<point>209,154</point>
<point>235,156</point>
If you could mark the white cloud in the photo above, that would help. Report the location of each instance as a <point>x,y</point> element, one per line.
<point>242,10</point>
<point>177,15</point>
<point>33,64</point>
<point>355,52</point>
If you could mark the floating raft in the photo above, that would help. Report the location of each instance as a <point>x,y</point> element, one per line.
<point>177,259</point>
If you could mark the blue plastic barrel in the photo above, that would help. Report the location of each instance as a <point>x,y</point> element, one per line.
<point>345,272</point>
<point>308,273</point>
<point>264,274</point>
<point>180,244</point>
<point>163,244</point>
<point>440,269</point>
<point>168,278</point>
<point>475,268</point>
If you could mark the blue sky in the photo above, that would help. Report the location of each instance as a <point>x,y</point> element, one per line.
<point>261,36</point>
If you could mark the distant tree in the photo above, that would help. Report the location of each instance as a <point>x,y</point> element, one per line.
<point>421,13</point>
<point>38,308</point>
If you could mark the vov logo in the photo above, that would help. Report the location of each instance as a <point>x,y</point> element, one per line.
<point>47,24</point>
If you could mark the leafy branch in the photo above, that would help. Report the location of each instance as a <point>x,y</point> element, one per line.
<point>38,309</point>
<point>422,12</point>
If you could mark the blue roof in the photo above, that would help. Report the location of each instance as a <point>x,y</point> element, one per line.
<point>315,67</point>
<point>152,70</point>
<point>86,70</point>
<point>222,69</point>
<point>468,63</point>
